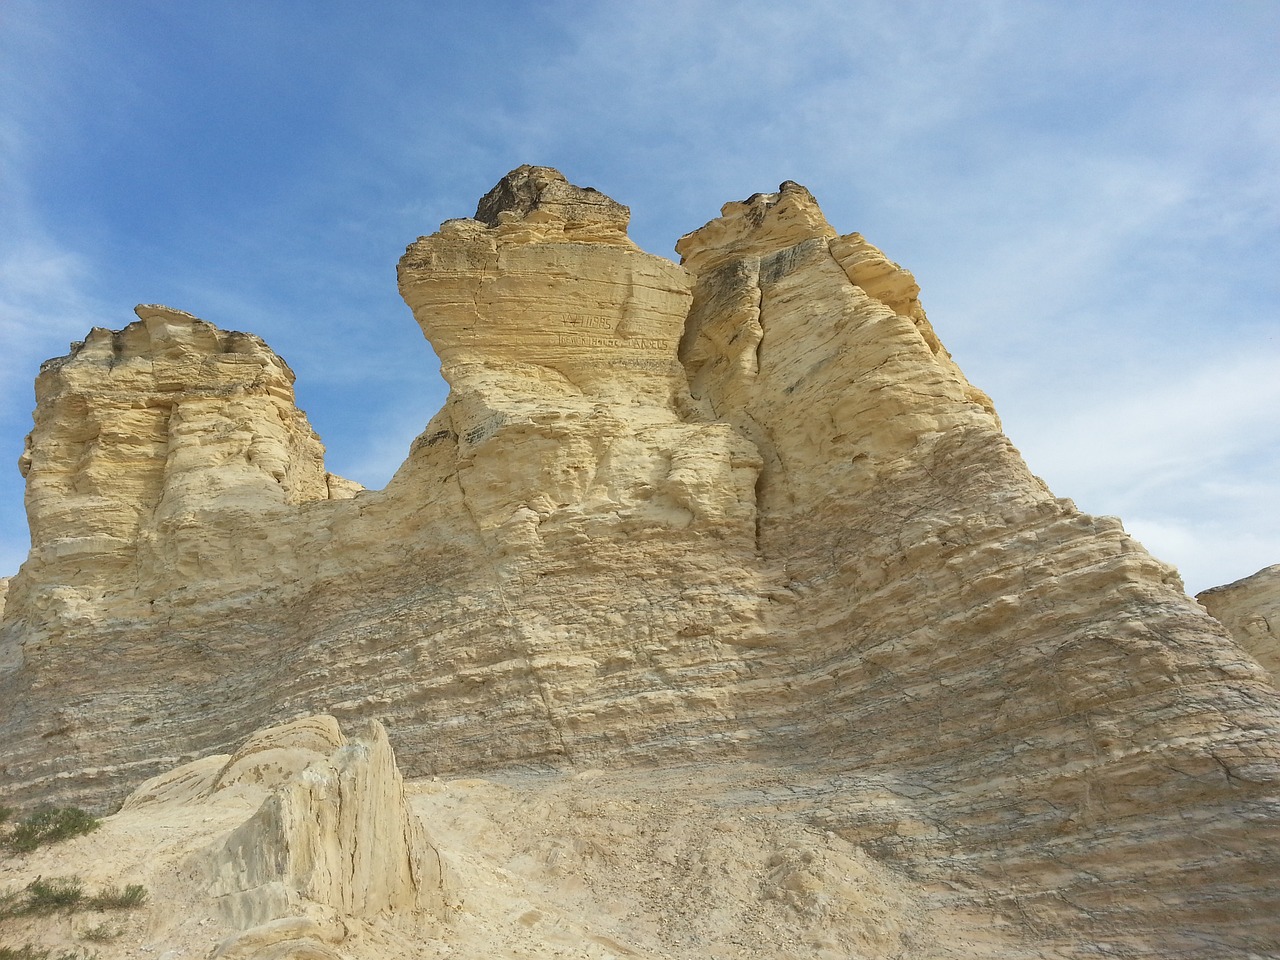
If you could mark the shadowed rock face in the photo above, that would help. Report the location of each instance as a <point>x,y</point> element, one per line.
<point>747,506</point>
<point>544,193</point>
<point>1250,609</point>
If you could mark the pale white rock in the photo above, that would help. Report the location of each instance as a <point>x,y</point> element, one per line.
<point>335,830</point>
<point>302,844</point>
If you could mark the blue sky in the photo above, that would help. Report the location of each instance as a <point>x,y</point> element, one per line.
<point>1088,193</point>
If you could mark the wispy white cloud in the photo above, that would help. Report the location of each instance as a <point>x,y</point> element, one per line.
<point>1207,554</point>
<point>1186,424</point>
<point>1189,460</point>
<point>42,301</point>
<point>46,283</point>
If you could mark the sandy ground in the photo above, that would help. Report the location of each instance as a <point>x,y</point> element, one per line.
<point>718,861</point>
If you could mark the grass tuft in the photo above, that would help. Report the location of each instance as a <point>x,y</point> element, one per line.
<point>49,896</point>
<point>24,952</point>
<point>99,934</point>
<point>113,898</point>
<point>41,897</point>
<point>49,825</point>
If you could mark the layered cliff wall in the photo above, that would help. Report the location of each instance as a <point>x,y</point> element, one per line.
<point>564,567</point>
<point>154,448</point>
<point>954,627</point>
<point>743,507</point>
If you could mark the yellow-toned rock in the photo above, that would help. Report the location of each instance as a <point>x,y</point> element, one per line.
<point>743,513</point>
<point>156,450</point>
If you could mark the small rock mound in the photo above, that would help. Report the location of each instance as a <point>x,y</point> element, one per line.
<point>338,833</point>
<point>333,838</point>
<point>544,190</point>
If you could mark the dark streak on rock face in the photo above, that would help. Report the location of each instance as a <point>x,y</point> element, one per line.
<point>528,188</point>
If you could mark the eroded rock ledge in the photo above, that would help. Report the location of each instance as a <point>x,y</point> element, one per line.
<point>743,507</point>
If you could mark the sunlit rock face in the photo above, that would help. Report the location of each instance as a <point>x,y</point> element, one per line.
<point>148,439</point>
<point>558,337</point>
<point>953,625</point>
<point>742,507</point>
<point>565,567</point>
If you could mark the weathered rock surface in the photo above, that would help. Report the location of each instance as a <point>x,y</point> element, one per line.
<point>747,508</point>
<point>709,860</point>
<point>154,449</point>
<point>956,628</point>
<point>1250,609</point>
<point>337,833</point>
<point>331,859</point>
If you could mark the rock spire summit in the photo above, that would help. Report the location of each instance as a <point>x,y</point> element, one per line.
<point>538,192</point>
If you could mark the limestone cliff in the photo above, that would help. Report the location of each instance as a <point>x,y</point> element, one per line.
<point>742,510</point>
<point>153,448</point>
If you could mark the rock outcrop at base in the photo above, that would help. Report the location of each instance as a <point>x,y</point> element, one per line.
<point>299,846</point>
<point>338,832</point>
<point>744,507</point>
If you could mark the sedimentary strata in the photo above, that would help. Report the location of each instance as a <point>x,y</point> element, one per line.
<point>743,509</point>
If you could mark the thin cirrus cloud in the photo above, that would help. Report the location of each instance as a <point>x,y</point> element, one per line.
<point>1188,461</point>
<point>1088,195</point>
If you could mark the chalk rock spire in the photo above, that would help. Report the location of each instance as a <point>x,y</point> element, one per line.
<point>143,433</point>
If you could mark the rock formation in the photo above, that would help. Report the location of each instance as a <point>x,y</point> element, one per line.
<point>745,510</point>
<point>153,447</point>
<point>335,831</point>
<point>1250,609</point>
<point>331,858</point>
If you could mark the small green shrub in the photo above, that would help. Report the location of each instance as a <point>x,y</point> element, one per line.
<point>49,896</point>
<point>113,898</point>
<point>41,897</point>
<point>24,952</point>
<point>5,814</point>
<point>49,826</point>
<point>99,934</point>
